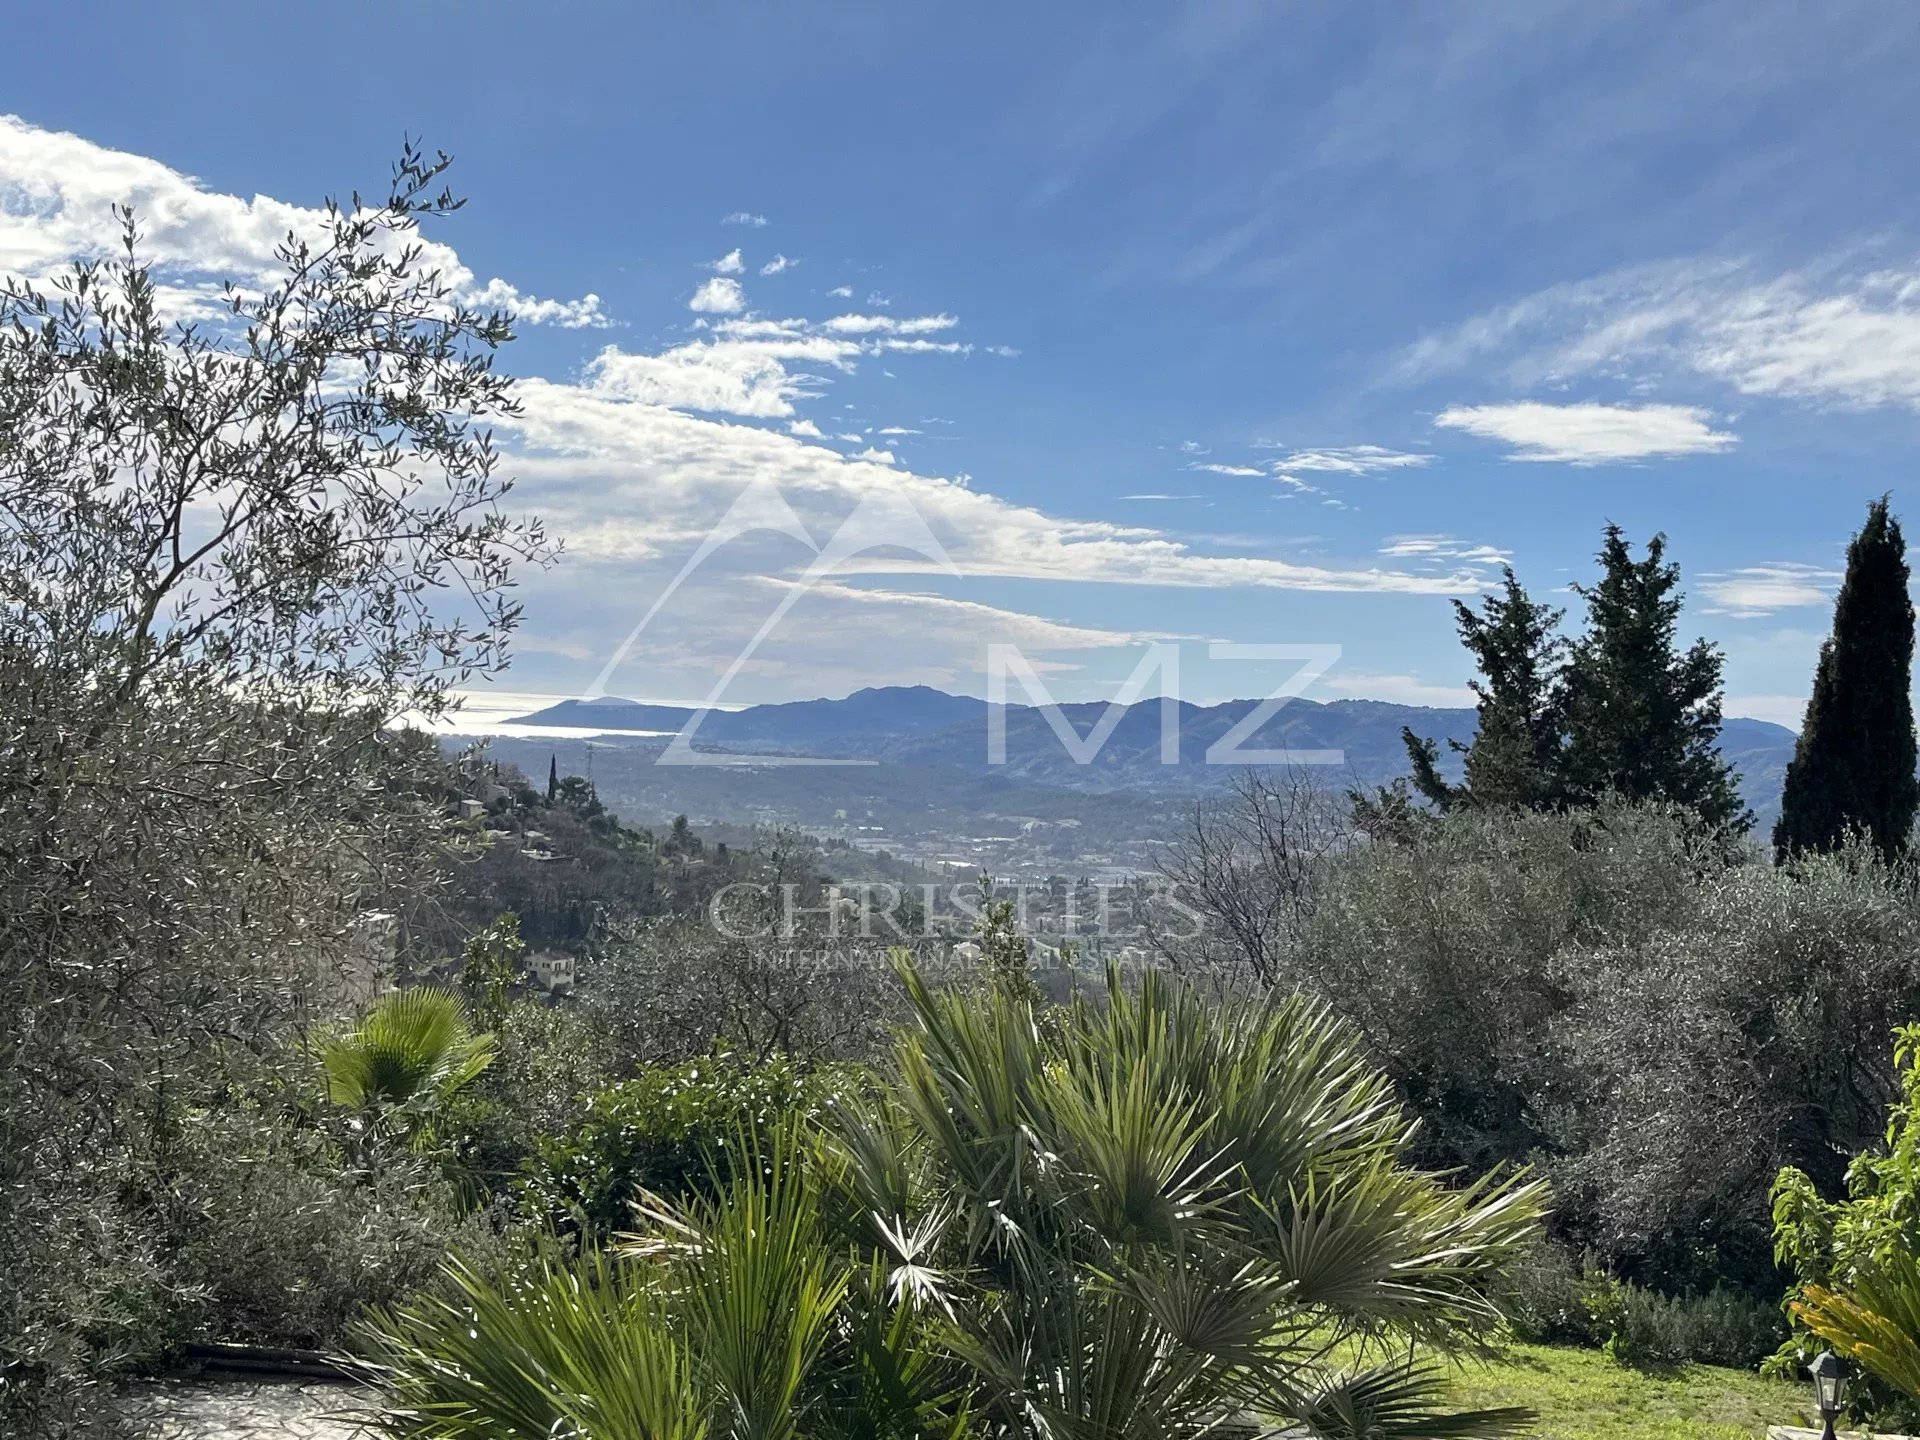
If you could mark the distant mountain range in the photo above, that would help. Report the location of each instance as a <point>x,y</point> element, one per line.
<point>791,727</point>
<point>917,726</point>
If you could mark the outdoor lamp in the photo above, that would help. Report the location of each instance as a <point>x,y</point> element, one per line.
<point>1829,1374</point>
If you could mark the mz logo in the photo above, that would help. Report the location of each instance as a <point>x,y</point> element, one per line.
<point>886,520</point>
<point>1162,659</point>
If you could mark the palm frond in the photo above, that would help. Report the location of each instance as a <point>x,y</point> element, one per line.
<point>1398,1401</point>
<point>563,1349</point>
<point>755,1287</point>
<point>1875,1323</point>
<point>413,1045</point>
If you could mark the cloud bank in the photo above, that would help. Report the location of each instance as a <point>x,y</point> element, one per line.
<point>57,193</point>
<point>1590,434</point>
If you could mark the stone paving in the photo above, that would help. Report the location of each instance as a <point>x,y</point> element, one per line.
<point>249,1410</point>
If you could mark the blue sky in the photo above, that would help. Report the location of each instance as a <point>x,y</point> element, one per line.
<point>1371,295</point>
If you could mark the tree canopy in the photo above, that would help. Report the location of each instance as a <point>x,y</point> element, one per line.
<point>1853,767</point>
<point>1618,711</point>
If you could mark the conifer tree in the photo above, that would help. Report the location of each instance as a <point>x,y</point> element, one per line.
<point>553,778</point>
<point>1515,754</point>
<point>1642,717</point>
<point>1853,767</point>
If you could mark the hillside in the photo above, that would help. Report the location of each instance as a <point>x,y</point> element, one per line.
<point>920,787</point>
<point>918,727</point>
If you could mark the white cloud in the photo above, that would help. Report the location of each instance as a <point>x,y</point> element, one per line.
<point>729,263</point>
<point>621,479</point>
<point>897,430</point>
<point>777,264</point>
<point>760,366</point>
<point>877,456</point>
<point>1443,547</point>
<point>719,296</point>
<point>1163,497</point>
<point>730,377</point>
<point>745,217</point>
<point>888,324</point>
<point>1835,335</point>
<point>1756,590</point>
<point>925,347</point>
<point>805,428</point>
<point>1590,434</point>
<point>56,196</point>
<point>1860,349</point>
<point>1217,469</point>
<point>1415,544</point>
<point>1011,625</point>
<point>840,635</point>
<point>841,292</point>
<point>1349,460</point>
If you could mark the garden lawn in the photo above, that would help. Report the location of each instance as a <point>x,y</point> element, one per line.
<point>1581,1395</point>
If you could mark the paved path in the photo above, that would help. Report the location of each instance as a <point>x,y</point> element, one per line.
<point>248,1410</point>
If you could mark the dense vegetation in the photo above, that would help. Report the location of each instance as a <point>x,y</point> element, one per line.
<point>1550,1053</point>
<point>1143,1219</point>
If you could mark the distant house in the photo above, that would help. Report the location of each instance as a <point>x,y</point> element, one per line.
<point>553,969</point>
<point>472,809</point>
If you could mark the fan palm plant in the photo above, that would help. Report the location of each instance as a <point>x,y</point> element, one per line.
<point>1168,1215</point>
<point>410,1052</point>
<point>1158,1218</point>
<point>735,1315</point>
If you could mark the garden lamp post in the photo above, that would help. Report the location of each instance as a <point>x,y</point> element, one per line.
<point>1829,1374</point>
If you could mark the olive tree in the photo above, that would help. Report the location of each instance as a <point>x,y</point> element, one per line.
<point>235,548</point>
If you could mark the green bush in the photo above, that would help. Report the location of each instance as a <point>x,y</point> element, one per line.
<point>1609,995</point>
<point>1648,1330</point>
<point>269,1236</point>
<point>281,1254</point>
<point>82,1301</point>
<point>254,1229</point>
<point>548,1060</point>
<point>1545,1295</point>
<point>668,1131</point>
<point>1447,952</point>
<point>1551,1300</point>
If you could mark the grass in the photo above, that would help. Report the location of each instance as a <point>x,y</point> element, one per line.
<point>1581,1395</point>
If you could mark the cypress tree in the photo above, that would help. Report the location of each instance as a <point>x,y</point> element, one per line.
<point>1643,718</point>
<point>1515,754</point>
<point>1853,766</point>
<point>553,778</point>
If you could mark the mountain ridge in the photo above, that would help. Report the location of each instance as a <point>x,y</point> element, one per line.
<point>895,709</point>
<point>919,726</point>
